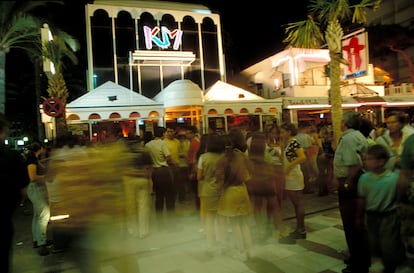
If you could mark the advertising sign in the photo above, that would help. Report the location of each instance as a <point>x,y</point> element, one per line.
<point>355,52</point>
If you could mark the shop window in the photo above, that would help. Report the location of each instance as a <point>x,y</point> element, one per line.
<point>247,122</point>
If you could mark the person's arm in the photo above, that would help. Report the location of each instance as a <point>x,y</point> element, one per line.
<point>353,176</point>
<point>32,172</point>
<point>300,158</point>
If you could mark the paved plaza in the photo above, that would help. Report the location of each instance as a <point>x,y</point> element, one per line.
<point>181,249</point>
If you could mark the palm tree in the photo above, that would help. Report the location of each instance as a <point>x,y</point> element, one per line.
<point>61,48</point>
<point>18,29</point>
<point>327,16</point>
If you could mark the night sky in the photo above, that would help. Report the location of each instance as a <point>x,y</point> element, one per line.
<point>251,33</point>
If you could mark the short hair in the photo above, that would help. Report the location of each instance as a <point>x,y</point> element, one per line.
<point>366,127</point>
<point>378,151</point>
<point>290,127</point>
<point>159,132</point>
<point>215,143</point>
<point>400,116</point>
<point>192,129</point>
<point>237,139</point>
<point>34,147</point>
<point>352,119</point>
<point>257,147</point>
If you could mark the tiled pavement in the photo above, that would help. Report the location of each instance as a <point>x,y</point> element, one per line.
<point>182,249</point>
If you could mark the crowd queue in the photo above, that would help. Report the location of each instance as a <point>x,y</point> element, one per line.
<point>234,179</point>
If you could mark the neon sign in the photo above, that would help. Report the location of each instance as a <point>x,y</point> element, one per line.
<point>152,36</point>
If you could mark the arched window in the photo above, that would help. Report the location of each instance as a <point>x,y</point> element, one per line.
<point>115,115</point>
<point>134,115</point>
<point>258,110</point>
<point>212,112</point>
<point>73,117</point>
<point>153,114</point>
<point>228,111</point>
<point>94,116</point>
<point>244,111</point>
<point>272,110</point>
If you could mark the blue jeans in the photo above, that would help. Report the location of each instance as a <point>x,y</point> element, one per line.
<point>37,193</point>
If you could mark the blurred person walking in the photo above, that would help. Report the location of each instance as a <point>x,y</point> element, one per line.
<point>377,199</point>
<point>234,203</point>
<point>273,155</point>
<point>263,190</point>
<point>14,180</point>
<point>394,137</point>
<point>90,197</point>
<point>209,188</point>
<point>136,179</point>
<point>347,170</point>
<point>293,156</point>
<point>162,177</point>
<point>405,198</point>
<point>38,195</point>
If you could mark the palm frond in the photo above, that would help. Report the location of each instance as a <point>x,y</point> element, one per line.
<point>304,34</point>
<point>21,28</point>
<point>327,10</point>
<point>360,10</point>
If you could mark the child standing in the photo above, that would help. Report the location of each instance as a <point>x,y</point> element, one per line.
<point>377,198</point>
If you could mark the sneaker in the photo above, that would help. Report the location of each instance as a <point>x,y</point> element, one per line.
<point>43,251</point>
<point>286,240</point>
<point>298,234</point>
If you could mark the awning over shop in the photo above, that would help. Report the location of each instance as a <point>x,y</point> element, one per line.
<point>370,100</point>
<point>315,102</point>
<point>357,89</point>
<point>399,100</point>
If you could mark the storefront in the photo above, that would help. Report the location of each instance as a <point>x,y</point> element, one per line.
<point>108,111</point>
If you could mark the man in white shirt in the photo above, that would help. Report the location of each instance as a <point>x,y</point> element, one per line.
<point>162,177</point>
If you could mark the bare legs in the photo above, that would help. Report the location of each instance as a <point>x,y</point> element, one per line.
<point>296,197</point>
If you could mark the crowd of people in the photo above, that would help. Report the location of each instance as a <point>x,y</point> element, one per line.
<point>237,181</point>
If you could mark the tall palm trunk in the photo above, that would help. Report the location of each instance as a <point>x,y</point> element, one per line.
<point>57,89</point>
<point>333,36</point>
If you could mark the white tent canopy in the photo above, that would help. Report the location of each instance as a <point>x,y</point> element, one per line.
<point>110,94</point>
<point>180,93</point>
<point>110,98</point>
<point>222,91</point>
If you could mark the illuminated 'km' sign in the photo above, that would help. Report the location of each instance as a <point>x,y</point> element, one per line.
<point>166,35</point>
